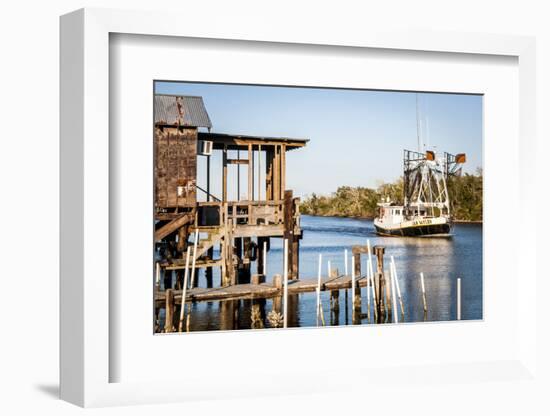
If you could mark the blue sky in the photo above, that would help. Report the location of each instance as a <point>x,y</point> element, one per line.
<point>356,136</point>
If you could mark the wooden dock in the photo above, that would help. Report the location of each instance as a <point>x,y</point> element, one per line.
<point>259,291</point>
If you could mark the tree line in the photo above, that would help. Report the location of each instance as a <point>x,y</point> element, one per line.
<point>465,194</point>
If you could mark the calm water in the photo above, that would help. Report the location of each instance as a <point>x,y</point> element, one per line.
<point>442,260</point>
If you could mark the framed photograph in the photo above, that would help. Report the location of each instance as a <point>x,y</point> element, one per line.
<point>275,207</point>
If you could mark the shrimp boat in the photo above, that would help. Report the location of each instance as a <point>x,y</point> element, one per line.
<point>426,209</point>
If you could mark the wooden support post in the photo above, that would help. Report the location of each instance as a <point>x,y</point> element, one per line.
<point>424,303</point>
<point>250,174</point>
<point>238,176</point>
<point>394,295</point>
<point>184,290</point>
<point>224,175</point>
<point>195,243</point>
<point>208,178</point>
<point>295,266</point>
<point>346,262</point>
<point>285,280</point>
<point>397,287</point>
<point>264,271</point>
<point>387,286</point>
<point>157,276</point>
<point>319,272</point>
<point>260,172</point>
<point>334,307</point>
<point>277,174</point>
<point>231,258</point>
<point>289,234</point>
<point>208,271</point>
<point>283,168</point>
<point>371,281</point>
<point>357,264</point>
<point>169,315</point>
<point>269,162</point>
<point>167,279</point>
<point>179,279</point>
<point>238,247</point>
<point>353,261</point>
<point>458,299</point>
<point>379,281</point>
<point>278,281</point>
<point>244,275</point>
<point>181,246</point>
<point>260,256</point>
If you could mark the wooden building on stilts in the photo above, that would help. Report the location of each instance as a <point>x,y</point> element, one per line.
<point>235,219</point>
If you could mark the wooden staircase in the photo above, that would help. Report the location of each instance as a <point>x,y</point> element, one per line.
<point>215,234</point>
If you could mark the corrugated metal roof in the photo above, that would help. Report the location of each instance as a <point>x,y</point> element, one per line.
<point>183,110</point>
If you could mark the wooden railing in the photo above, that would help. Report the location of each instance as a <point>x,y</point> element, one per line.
<point>253,212</point>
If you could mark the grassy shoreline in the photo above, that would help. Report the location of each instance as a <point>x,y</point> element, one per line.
<point>372,218</point>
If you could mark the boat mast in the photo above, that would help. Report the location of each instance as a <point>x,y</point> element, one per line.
<point>418,126</point>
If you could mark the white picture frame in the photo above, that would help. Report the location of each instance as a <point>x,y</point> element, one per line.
<point>85,212</point>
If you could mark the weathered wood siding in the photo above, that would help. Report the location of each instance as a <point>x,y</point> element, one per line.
<point>175,167</point>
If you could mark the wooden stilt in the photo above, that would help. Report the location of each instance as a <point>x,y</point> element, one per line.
<point>397,286</point>
<point>318,309</point>
<point>379,282</point>
<point>424,303</point>
<point>346,262</point>
<point>394,295</point>
<point>334,307</point>
<point>184,290</point>
<point>195,244</point>
<point>458,299</point>
<point>285,279</point>
<point>169,316</point>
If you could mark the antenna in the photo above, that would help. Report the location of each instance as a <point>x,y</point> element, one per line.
<point>427,133</point>
<point>418,125</point>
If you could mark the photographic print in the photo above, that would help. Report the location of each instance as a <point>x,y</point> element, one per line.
<point>293,207</point>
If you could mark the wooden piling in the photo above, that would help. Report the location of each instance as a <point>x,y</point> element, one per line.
<point>167,279</point>
<point>394,295</point>
<point>353,288</point>
<point>371,281</point>
<point>318,309</point>
<point>379,281</point>
<point>397,286</point>
<point>346,262</point>
<point>334,307</point>
<point>208,271</point>
<point>425,304</point>
<point>157,276</point>
<point>285,280</point>
<point>265,258</point>
<point>355,293</point>
<point>195,243</point>
<point>184,290</point>
<point>458,299</point>
<point>169,315</point>
<point>278,281</point>
<point>357,264</point>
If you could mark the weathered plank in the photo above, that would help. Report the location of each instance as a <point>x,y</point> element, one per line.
<point>172,226</point>
<point>261,291</point>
